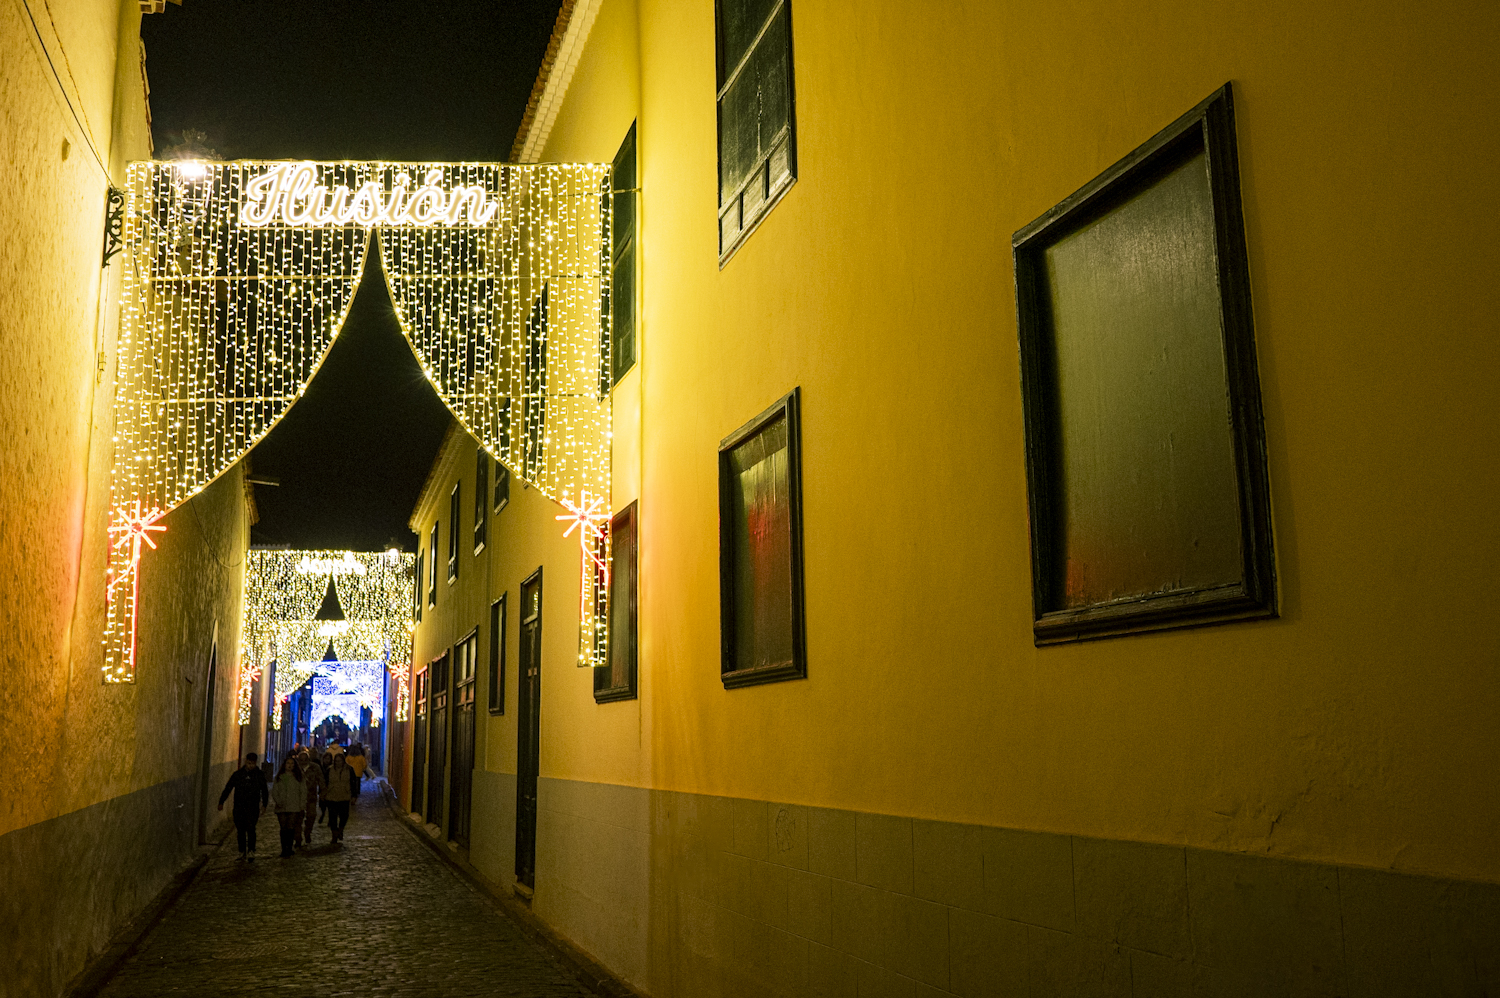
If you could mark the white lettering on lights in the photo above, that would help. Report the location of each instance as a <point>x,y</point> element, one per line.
<point>292,195</point>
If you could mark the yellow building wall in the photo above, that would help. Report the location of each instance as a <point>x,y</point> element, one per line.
<point>610,742</point>
<point>523,537</point>
<point>99,786</point>
<point>1357,728</point>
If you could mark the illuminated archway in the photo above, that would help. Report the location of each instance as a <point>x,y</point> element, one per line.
<point>283,623</point>
<point>238,278</point>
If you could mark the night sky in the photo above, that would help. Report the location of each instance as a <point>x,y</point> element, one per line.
<point>412,81</point>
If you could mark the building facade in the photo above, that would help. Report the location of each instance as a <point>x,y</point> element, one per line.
<point>936,797</point>
<point>105,790</point>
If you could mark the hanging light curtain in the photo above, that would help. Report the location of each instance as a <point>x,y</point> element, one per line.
<point>509,324</point>
<point>239,276</point>
<point>288,605</point>
<point>223,325</point>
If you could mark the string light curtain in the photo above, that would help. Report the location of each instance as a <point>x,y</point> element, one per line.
<point>510,324</point>
<point>283,592</point>
<point>238,278</point>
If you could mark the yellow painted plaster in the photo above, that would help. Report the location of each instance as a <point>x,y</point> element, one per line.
<point>1359,727</point>
<point>67,741</point>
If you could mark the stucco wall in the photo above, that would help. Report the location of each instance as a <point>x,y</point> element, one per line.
<point>100,787</point>
<point>1357,728</point>
<point>1353,734</point>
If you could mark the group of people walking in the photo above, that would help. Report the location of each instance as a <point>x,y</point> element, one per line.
<point>305,792</point>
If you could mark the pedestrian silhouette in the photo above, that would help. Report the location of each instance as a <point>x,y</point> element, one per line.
<point>248,784</point>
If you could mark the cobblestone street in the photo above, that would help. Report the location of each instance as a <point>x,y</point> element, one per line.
<point>381,916</point>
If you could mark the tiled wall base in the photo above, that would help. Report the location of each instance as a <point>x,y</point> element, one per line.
<point>492,826</point>
<point>69,883</point>
<point>688,896</point>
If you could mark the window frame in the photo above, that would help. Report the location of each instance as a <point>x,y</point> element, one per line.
<point>466,648</point>
<point>498,625</point>
<point>1211,123</point>
<point>630,690</point>
<point>725,78</point>
<point>502,474</point>
<point>455,507</point>
<point>420,594</point>
<point>481,499</point>
<point>432,569</point>
<point>788,407</point>
<point>623,257</point>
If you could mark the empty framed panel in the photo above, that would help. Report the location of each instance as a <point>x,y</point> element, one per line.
<point>760,549</point>
<point>1144,441</point>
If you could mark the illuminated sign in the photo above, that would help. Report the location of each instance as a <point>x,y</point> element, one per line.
<point>290,194</point>
<point>347,565</point>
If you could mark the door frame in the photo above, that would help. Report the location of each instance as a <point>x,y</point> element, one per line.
<point>526,758</point>
<point>421,682</point>
<point>206,757</point>
<point>437,782</point>
<point>461,805</point>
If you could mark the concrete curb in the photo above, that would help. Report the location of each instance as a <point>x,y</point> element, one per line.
<point>584,968</point>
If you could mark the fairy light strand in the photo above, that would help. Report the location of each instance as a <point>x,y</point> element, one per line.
<point>280,620</point>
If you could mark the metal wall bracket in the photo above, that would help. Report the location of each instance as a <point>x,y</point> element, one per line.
<point>114,221</point>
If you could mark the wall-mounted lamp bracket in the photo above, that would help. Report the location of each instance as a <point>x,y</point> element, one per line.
<point>114,220</point>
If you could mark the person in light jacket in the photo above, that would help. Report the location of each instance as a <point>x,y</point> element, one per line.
<point>290,799</point>
<point>312,778</point>
<point>340,790</point>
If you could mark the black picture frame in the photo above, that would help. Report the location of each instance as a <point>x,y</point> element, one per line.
<point>788,407</point>
<point>1209,130</point>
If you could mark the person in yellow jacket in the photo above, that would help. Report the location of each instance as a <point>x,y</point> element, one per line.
<point>357,759</point>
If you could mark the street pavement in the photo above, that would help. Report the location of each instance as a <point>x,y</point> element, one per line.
<point>379,917</point>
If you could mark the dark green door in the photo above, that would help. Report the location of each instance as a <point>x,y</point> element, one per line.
<point>461,790</point>
<point>437,742</point>
<point>529,726</point>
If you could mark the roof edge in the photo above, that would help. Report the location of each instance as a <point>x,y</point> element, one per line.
<point>435,475</point>
<point>569,35</point>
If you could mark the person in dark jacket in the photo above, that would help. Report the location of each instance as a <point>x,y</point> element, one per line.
<point>322,797</point>
<point>312,779</point>
<point>251,795</point>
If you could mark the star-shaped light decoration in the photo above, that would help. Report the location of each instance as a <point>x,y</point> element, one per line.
<point>134,527</point>
<point>593,523</point>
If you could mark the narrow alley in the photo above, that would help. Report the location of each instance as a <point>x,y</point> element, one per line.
<point>379,916</point>
<point>788,498</point>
